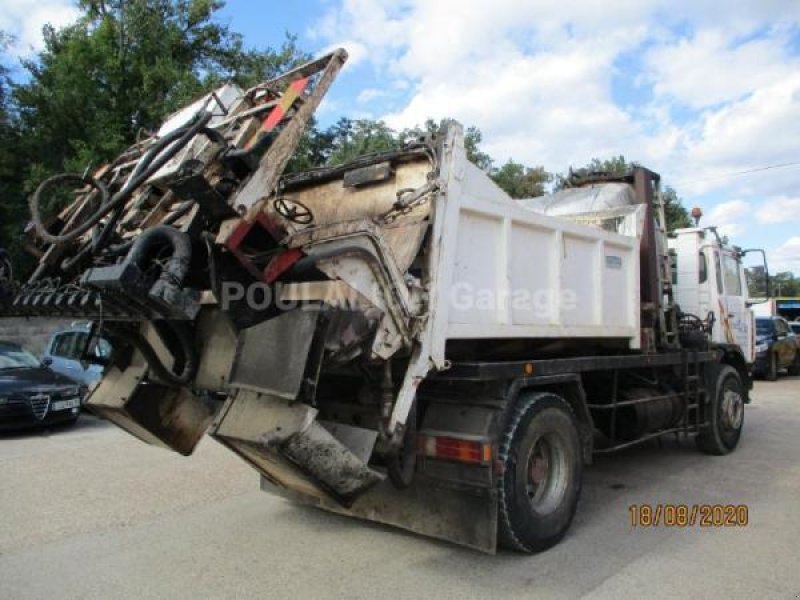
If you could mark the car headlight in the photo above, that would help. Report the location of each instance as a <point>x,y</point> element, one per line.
<point>3,400</point>
<point>762,347</point>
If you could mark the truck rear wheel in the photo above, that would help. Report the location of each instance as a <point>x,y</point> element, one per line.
<point>724,429</point>
<point>542,468</point>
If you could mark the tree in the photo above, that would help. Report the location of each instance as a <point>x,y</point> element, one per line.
<point>520,181</point>
<point>352,139</point>
<point>10,160</point>
<point>123,67</point>
<point>348,139</point>
<point>675,212</point>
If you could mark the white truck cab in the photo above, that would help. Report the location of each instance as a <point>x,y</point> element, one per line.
<point>710,283</point>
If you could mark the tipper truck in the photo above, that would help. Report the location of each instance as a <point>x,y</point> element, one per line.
<point>394,338</point>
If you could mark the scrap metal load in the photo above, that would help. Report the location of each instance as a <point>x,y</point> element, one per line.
<point>325,325</point>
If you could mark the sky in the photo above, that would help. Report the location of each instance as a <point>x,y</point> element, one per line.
<point>699,90</point>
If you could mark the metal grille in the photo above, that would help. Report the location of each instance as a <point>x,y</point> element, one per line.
<point>40,404</point>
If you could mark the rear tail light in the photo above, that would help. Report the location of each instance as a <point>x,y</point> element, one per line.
<point>456,449</point>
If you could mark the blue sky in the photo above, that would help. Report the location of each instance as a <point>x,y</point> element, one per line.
<point>695,89</point>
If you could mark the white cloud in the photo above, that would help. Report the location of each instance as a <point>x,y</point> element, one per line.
<point>779,210</point>
<point>24,19</point>
<point>786,257</point>
<point>727,212</point>
<point>727,217</point>
<point>370,94</point>
<point>760,130</point>
<point>537,77</point>
<point>711,67</point>
<point>356,51</point>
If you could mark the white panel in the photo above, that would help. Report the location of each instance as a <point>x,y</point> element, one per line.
<point>578,281</point>
<point>476,287</point>
<point>513,273</point>
<point>532,266</point>
<point>616,268</point>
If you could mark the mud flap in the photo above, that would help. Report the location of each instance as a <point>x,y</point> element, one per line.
<point>164,416</point>
<point>467,517</point>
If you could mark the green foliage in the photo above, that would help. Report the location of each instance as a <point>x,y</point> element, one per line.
<point>348,139</point>
<point>520,181</point>
<point>352,139</point>
<point>781,284</point>
<point>675,212</point>
<point>11,163</point>
<point>785,284</point>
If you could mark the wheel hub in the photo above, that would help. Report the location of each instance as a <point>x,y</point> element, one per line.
<point>546,473</point>
<point>732,409</point>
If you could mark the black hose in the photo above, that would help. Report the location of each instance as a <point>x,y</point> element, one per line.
<point>135,339</point>
<point>174,271</point>
<point>153,159</point>
<point>179,212</point>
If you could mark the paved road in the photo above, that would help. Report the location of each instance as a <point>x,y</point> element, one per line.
<point>91,513</point>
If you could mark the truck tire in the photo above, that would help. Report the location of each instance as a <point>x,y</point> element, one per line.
<point>772,368</point>
<point>539,488</point>
<point>727,414</point>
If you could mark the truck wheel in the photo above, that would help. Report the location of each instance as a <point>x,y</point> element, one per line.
<point>772,368</point>
<point>727,415</point>
<point>542,468</point>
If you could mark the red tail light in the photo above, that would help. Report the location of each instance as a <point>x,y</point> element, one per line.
<point>450,448</point>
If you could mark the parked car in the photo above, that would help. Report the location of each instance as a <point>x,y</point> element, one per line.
<point>776,348</point>
<point>795,327</point>
<point>63,355</point>
<point>31,394</point>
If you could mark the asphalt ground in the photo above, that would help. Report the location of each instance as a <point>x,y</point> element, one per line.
<point>88,512</point>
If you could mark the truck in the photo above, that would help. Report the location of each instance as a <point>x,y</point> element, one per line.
<point>395,338</point>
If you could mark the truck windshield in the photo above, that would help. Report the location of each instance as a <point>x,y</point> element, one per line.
<point>14,357</point>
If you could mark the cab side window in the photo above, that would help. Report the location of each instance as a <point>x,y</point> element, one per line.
<point>62,345</point>
<point>69,345</point>
<point>702,268</point>
<point>718,269</point>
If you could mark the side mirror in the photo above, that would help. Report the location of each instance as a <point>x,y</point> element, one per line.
<point>47,361</point>
<point>767,290</point>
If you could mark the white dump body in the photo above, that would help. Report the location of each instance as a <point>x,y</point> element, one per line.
<point>465,261</point>
<point>506,271</point>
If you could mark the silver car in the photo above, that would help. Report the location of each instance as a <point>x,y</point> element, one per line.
<point>63,355</point>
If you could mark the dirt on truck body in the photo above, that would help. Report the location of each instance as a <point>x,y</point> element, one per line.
<point>395,338</point>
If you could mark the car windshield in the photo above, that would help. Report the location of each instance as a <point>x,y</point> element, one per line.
<point>14,357</point>
<point>764,326</point>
